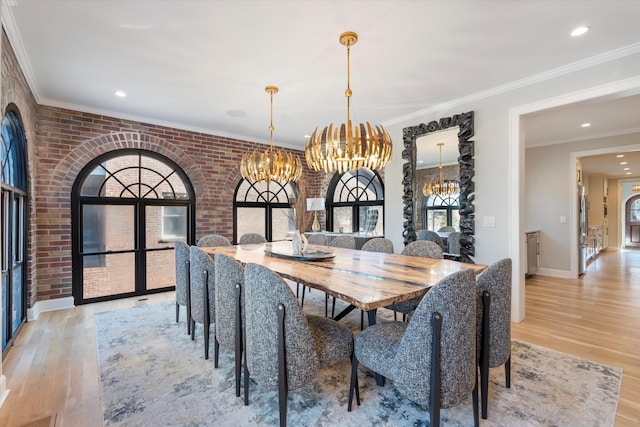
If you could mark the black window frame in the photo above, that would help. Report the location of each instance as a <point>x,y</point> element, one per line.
<point>354,197</point>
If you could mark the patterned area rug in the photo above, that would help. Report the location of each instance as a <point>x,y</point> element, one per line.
<point>152,374</point>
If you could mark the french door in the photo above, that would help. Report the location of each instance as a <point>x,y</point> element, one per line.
<point>129,207</point>
<point>13,182</point>
<point>632,226</point>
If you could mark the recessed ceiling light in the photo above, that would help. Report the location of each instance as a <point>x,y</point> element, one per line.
<point>236,113</point>
<point>627,169</point>
<point>628,173</point>
<point>623,163</point>
<point>585,125</point>
<point>579,31</point>
<point>620,155</point>
<point>120,93</point>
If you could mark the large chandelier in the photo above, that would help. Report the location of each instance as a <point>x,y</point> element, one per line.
<point>270,165</point>
<point>441,188</point>
<point>347,148</point>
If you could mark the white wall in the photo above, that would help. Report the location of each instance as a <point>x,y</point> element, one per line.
<point>499,154</point>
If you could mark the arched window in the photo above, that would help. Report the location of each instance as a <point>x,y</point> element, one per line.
<point>13,157</point>
<point>128,208</point>
<point>438,212</point>
<point>265,208</point>
<point>355,202</point>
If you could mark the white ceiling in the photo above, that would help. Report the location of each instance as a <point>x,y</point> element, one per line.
<point>203,65</point>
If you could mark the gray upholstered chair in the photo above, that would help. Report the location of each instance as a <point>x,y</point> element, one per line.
<point>285,348</point>
<point>250,238</point>
<point>447,228</point>
<point>211,240</point>
<point>229,296</point>
<point>453,243</point>
<point>431,236</point>
<point>202,271</point>
<point>317,239</point>
<point>183,294</point>
<point>379,244</point>
<point>347,242</point>
<point>494,324</point>
<point>422,248</point>
<point>432,359</point>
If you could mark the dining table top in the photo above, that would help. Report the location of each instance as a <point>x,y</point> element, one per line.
<point>367,280</point>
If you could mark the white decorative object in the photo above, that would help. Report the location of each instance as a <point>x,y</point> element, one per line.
<point>299,242</point>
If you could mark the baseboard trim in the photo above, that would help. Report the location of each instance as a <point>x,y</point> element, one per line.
<point>554,273</point>
<point>49,305</point>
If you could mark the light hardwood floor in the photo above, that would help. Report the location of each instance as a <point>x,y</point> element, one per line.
<point>52,369</point>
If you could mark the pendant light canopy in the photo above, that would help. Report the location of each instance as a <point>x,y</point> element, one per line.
<point>346,147</point>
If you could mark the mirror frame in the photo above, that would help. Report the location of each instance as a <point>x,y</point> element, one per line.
<point>467,190</point>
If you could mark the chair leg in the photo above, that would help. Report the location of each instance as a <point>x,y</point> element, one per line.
<point>282,367</point>
<point>238,341</point>
<point>362,320</point>
<point>193,330</point>
<point>304,288</point>
<point>326,305</point>
<point>434,400</point>
<point>206,341</point>
<point>177,312</point>
<point>207,314</point>
<point>333,307</point>
<point>353,383</point>
<point>474,396</point>
<point>484,353</point>
<point>507,372</point>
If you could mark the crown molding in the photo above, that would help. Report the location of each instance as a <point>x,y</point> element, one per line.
<point>612,55</point>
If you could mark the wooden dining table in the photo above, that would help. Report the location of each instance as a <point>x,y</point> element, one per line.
<point>365,280</point>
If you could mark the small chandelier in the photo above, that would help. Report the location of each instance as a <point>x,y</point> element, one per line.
<point>347,148</point>
<point>270,165</point>
<point>441,188</point>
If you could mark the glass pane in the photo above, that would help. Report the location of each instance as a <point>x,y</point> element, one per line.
<point>436,219</point>
<point>455,219</point>
<point>16,298</point>
<point>107,228</point>
<point>371,219</point>
<point>173,188</point>
<point>151,184</point>
<point>342,219</point>
<point>251,220</point>
<point>161,272</point>
<point>4,305</point>
<point>282,223</point>
<point>124,183</point>
<point>5,230</point>
<point>92,185</point>
<point>111,274</point>
<point>165,224</point>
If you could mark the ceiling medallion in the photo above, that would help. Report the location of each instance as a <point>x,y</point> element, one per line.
<point>348,148</point>
<point>271,164</point>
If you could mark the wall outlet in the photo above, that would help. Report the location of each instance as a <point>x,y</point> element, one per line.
<point>563,219</point>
